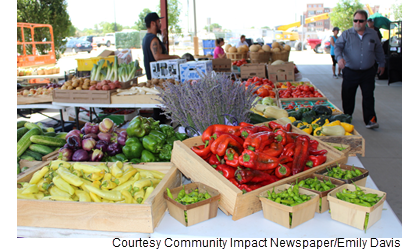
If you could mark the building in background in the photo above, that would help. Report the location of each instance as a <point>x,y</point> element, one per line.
<point>314,9</point>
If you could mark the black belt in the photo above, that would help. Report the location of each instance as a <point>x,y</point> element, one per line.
<point>363,70</point>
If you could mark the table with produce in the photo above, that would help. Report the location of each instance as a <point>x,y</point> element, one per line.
<point>253,162</point>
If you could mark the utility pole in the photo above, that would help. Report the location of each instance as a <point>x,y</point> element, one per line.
<point>195,39</point>
<point>115,25</point>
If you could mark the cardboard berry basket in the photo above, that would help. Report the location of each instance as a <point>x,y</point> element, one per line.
<point>120,217</point>
<point>233,201</point>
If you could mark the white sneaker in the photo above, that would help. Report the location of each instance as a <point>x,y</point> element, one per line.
<point>334,76</point>
<point>372,125</point>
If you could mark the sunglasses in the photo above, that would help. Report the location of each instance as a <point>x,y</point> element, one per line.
<point>358,20</point>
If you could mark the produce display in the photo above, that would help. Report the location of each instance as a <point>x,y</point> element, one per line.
<point>289,197</point>
<point>300,91</point>
<point>252,156</point>
<point>113,71</point>
<point>265,87</point>
<point>64,181</point>
<point>344,174</point>
<point>87,84</point>
<point>38,71</point>
<point>288,84</point>
<point>295,105</point>
<point>37,91</point>
<point>239,63</point>
<point>317,185</point>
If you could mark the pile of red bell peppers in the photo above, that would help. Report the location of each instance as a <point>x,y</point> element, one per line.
<point>253,156</point>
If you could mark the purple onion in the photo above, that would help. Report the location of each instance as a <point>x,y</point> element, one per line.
<point>65,154</point>
<point>74,142</point>
<point>123,134</point>
<point>88,144</point>
<point>80,155</point>
<point>76,133</point>
<point>104,136</point>
<point>101,145</point>
<point>97,155</point>
<point>121,140</point>
<point>92,135</point>
<point>113,149</point>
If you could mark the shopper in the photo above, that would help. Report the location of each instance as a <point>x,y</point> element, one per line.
<point>356,51</point>
<point>333,40</point>
<point>242,41</point>
<point>219,53</point>
<point>154,50</point>
<point>370,24</point>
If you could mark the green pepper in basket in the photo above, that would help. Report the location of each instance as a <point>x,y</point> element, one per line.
<point>118,157</point>
<point>135,160</point>
<point>154,124</point>
<point>147,156</point>
<point>133,148</point>
<point>167,130</point>
<point>166,153</point>
<point>181,136</point>
<point>138,127</point>
<point>154,141</point>
<point>160,136</point>
<point>170,140</point>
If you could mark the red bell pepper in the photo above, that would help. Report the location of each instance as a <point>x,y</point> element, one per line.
<point>317,152</point>
<point>264,128</point>
<point>285,159</point>
<point>274,126</point>
<point>257,160</point>
<point>232,157</point>
<point>227,171</point>
<point>203,150</point>
<point>244,124</point>
<point>234,181</point>
<point>314,144</point>
<point>274,149</point>
<point>314,161</point>
<point>234,130</point>
<point>251,175</point>
<point>213,160</point>
<point>220,133</point>
<point>284,137</point>
<point>301,153</point>
<point>282,171</point>
<point>223,142</point>
<point>289,150</point>
<point>258,141</point>
<point>248,130</point>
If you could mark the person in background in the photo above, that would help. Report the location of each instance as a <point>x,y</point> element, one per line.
<point>219,53</point>
<point>370,24</point>
<point>356,51</point>
<point>154,50</point>
<point>188,57</point>
<point>242,41</point>
<point>333,40</point>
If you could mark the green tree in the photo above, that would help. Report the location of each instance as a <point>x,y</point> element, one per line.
<point>108,27</point>
<point>53,12</point>
<point>213,26</point>
<point>397,11</point>
<point>174,10</point>
<point>266,27</point>
<point>140,24</point>
<point>342,14</point>
<point>72,30</point>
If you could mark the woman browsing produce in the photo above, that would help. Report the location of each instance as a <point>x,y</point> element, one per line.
<point>219,53</point>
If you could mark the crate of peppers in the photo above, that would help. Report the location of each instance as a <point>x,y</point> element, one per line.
<point>248,158</point>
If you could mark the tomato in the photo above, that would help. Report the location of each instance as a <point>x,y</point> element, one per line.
<point>290,107</point>
<point>311,95</point>
<point>262,92</point>
<point>312,89</point>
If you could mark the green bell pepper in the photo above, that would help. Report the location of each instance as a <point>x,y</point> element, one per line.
<point>135,160</point>
<point>167,130</point>
<point>180,136</point>
<point>147,156</point>
<point>154,124</point>
<point>133,148</point>
<point>138,127</point>
<point>166,153</point>
<point>119,157</point>
<point>170,140</point>
<point>159,136</point>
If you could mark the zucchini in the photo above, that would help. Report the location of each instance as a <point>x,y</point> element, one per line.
<point>20,132</point>
<point>62,135</point>
<point>50,134</point>
<point>26,157</point>
<point>18,166</point>
<point>21,123</point>
<point>32,125</point>
<point>256,118</point>
<point>41,149</point>
<point>25,141</point>
<point>34,154</point>
<point>49,141</point>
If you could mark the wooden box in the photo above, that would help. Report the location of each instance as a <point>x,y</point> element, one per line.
<point>83,96</point>
<point>142,218</point>
<point>26,100</point>
<point>197,212</point>
<point>233,201</point>
<point>356,142</point>
<point>135,99</point>
<point>280,213</point>
<point>358,180</point>
<point>352,214</point>
<point>345,151</point>
<point>322,204</point>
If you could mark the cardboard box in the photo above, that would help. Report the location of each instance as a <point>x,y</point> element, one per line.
<point>83,96</point>
<point>353,214</point>
<point>118,217</point>
<point>197,212</point>
<point>166,69</point>
<point>194,70</point>
<point>284,72</point>
<point>124,56</point>
<point>280,213</point>
<point>253,69</point>
<point>135,99</point>
<point>222,65</point>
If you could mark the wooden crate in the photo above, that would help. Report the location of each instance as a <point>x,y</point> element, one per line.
<point>142,218</point>
<point>83,96</point>
<point>356,142</point>
<point>197,212</point>
<point>352,214</point>
<point>32,167</point>
<point>335,110</point>
<point>233,201</point>
<point>358,180</point>
<point>135,99</point>
<point>345,151</point>
<point>279,213</point>
<point>50,156</point>
<point>303,99</point>
<point>26,100</point>
<point>323,195</point>
<point>260,57</point>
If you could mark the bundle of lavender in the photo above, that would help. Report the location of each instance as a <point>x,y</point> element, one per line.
<point>207,102</point>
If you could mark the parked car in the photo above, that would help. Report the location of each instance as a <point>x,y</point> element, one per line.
<point>314,44</point>
<point>321,45</point>
<point>76,45</point>
<point>107,40</point>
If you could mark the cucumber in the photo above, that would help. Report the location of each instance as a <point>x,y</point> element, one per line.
<point>26,157</point>
<point>20,132</point>
<point>50,134</point>
<point>41,149</point>
<point>34,154</point>
<point>18,166</point>
<point>25,141</point>
<point>49,141</point>
<point>256,118</point>
<point>32,125</point>
<point>62,135</point>
<point>20,123</point>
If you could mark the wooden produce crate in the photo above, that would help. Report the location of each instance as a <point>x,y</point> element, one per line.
<point>345,151</point>
<point>356,142</point>
<point>197,212</point>
<point>352,214</point>
<point>358,180</point>
<point>26,100</point>
<point>312,102</point>
<point>280,213</point>
<point>260,57</point>
<point>135,99</point>
<point>323,195</point>
<point>142,218</point>
<point>283,56</point>
<point>32,167</point>
<point>83,96</point>
<point>303,99</point>
<point>233,201</point>
<point>51,156</point>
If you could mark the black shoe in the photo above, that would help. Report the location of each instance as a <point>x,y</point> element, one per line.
<point>372,125</point>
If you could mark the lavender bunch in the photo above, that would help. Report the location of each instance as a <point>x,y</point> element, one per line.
<point>204,103</point>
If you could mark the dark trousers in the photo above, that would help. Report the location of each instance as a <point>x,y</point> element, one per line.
<point>352,79</point>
